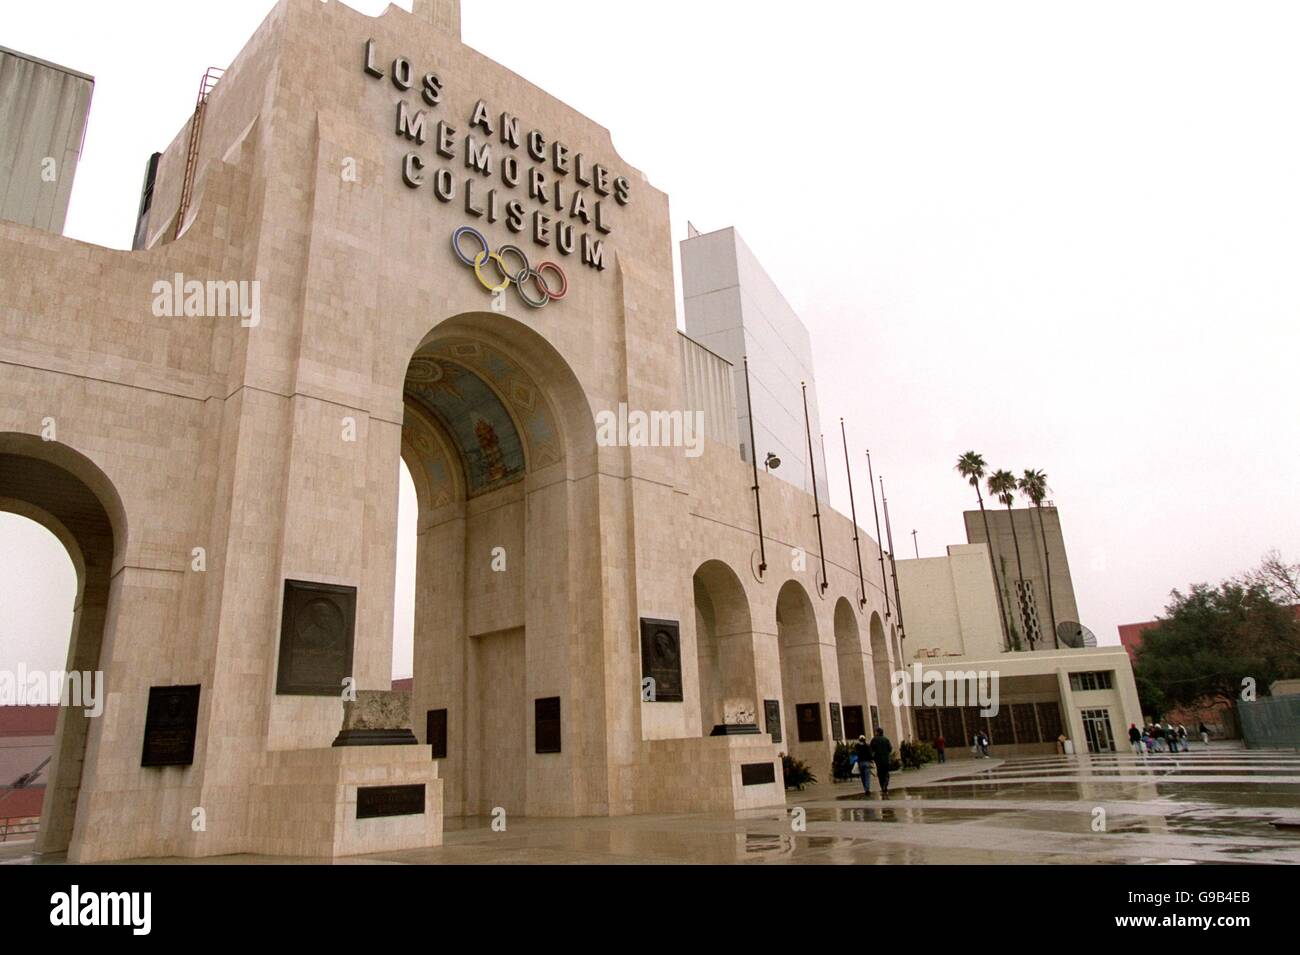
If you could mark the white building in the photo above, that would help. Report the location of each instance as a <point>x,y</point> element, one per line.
<point>734,309</point>
<point>1087,695</point>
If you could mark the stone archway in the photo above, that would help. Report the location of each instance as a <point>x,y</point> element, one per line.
<point>807,667</point>
<point>882,669</point>
<point>66,493</point>
<point>500,474</point>
<point>854,667</point>
<point>724,635</point>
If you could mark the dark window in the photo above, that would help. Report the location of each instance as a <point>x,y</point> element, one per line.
<point>435,732</point>
<point>1091,680</point>
<point>837,727</point>
<point>546,717</point>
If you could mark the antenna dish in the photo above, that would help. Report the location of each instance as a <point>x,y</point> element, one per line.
<point>1073,634</point>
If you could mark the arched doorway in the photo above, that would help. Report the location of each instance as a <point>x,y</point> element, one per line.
<point>501,459</point>
<point>854,665</point>
<point>804,678</point>
<point>724,639</point>
<point>882,668</point>
<point>67,494</point>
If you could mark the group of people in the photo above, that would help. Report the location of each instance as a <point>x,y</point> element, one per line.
<point>979,744</point>
<point>1158,738</point>
<point>877,753</point>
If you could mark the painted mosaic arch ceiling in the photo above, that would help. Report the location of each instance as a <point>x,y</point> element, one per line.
<point>491,408</point>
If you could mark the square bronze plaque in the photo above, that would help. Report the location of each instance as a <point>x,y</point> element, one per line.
<point>546,724</point>
<point>808,716</point>
<point>772,718</point>
<point>755,774</point>
<point>315,638</point>
<point>435,732</point>
<point>376,801</point>
<point>170,724</point>
<point>837,728</point>
<point>661,658</point>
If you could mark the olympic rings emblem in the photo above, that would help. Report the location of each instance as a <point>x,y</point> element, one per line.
<point>517,272</point>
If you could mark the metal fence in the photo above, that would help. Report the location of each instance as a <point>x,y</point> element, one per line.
<point>19,827</point>
<point>1271,722</point>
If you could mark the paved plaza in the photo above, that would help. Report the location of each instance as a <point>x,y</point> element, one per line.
<point>1215,806</point>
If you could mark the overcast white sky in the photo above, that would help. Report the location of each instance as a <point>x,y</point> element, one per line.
<point>1063,234</point>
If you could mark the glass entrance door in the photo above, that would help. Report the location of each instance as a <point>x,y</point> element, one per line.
<point>1096,727</point>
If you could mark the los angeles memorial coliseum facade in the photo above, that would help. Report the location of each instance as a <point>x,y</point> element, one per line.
<point>439,263</point>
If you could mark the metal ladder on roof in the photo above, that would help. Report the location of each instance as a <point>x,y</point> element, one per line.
<point>206,86</point>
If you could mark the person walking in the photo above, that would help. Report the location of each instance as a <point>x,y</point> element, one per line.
<point>1182,737</point>
<point>863,752</point>
<point>1171,738</point>
<point>939,748</point>
<point>984,744</point>
<point>881,748</point>
<point>1205,734</point>
<point>1158,733</point>
<point>1135,738</point>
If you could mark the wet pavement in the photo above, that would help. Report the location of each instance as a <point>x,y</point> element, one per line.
<point>1221,805</point>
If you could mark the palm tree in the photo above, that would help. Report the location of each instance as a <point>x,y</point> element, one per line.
<point>971,466</point>
<point>1033,484</point>
<point>1002,485</point>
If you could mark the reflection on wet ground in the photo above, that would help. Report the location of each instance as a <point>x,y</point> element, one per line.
<point>1215,806</point>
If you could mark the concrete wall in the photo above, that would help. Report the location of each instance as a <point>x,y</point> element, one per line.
<point>951,603</point>
<point>1026,523</point>
<point>735,309</point>
<point>43,114</point>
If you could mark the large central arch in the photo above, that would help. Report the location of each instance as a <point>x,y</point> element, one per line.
<point>501,448</point>
<point>65,492</point>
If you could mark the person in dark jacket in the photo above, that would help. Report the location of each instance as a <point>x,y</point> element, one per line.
<point>881,748</point>
<point>862,750</point>
<point>1135,738</point>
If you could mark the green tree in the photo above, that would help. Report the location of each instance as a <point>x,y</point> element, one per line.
<point>971,466</point>
<point>1033,484</point>
<point>1215,641</point>
<point>1002,485</point>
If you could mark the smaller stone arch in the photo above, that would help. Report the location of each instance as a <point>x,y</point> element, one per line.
<point>804,678</point>
<point>724,636</point>
<point>854,671</point>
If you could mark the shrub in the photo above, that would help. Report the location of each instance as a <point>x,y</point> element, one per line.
<point>914,755</point>
<point>797,773</point>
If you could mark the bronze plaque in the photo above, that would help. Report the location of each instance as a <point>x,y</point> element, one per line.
<point>755,774</point>
<point>853,724</point>
<point>435,732</point>
<point>546,724</point>
<point>772,718</point>
<point>661,658</point>
<point>376,801</point>
<point>875,720</point>
<point>808,716</point>
<point>315,638</point>
<point>170,724</point>
<point>837,728</point>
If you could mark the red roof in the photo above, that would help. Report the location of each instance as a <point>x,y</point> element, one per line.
<point>28,720</point>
